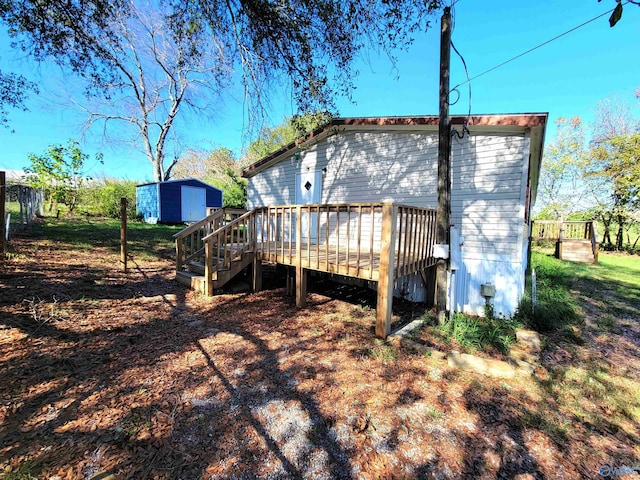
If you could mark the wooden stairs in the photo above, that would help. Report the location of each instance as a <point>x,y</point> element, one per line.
<point>215,248</point>
<point>577,251</point>
<point>194,276</point>
<point>576,241</point>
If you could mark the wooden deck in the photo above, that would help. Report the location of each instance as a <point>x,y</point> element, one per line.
<point>328,258</point>
<point>377,242</point>
<point>576,241</point>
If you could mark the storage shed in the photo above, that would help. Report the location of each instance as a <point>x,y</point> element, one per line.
<point>175,201</point>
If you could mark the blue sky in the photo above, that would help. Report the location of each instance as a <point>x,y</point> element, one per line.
<point>565,78</point>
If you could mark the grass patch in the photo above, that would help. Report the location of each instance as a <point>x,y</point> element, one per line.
<point>480,334</point>
<point>554,308</point>
<point>27,470</point>
<point>589,390</point>
<point>614,282</point>
<point>144,240</point>
<point>606,322</point>
<point>382,352</point>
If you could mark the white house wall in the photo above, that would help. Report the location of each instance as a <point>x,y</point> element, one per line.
<point>489,177</point>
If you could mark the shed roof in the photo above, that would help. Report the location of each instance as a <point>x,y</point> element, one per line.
<point>179,180</point>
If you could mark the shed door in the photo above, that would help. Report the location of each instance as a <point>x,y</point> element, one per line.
<point>194,201</point>
<point>308,190</point>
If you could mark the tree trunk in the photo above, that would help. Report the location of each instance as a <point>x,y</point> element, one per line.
<point>606,235</point>
<point>620,234</point>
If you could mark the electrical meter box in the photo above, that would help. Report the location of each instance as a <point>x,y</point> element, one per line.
<point>487,290</point>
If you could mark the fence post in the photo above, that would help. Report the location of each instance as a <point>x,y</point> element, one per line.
<point>3,198</point>
<point>123,234</point>
<point>208,265</point>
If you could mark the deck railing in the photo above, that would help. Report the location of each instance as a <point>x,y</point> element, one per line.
<point>374,241</point>
<point>190,241</point>
<point>346,239</point>
<point>562,231</point>
<point>552,230</point>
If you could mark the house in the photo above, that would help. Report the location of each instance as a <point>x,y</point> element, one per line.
<point>495,164</point>
<point>176,201</point>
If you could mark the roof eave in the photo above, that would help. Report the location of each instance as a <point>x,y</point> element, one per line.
<point>500,121</point>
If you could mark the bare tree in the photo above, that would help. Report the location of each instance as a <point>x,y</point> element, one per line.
<point>150,60</point>
<point>160,73</point>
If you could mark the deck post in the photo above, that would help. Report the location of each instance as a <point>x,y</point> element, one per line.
<point>386,272</point>
<point>208,268</point>
<point>178,254</point>
<point>256,279</point>
<point>559,253</point>
<point>123,234</point>
<point>301,273</point>
<point>290,288</point>
<point>3,221</point>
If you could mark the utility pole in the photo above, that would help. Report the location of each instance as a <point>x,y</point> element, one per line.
<point>444,166</point>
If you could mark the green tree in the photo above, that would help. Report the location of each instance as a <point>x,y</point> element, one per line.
<point>271,139</point>
<point>613,131</point>
<point>561,189</point>
<point>218,168</point>
<point>149,62</point>
<point>615,165</point>
<point>102,197</point>
<point>58,172</point>
<point>13,94</point>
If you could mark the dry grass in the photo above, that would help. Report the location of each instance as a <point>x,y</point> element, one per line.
<point>136,377</point>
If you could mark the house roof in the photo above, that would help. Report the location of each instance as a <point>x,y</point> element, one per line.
<point>534,123</point>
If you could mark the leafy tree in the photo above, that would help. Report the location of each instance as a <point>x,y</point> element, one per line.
<point>608,164</point>
<point>58,172</point>
<point>218,168</point>
<point>234,189</point>
<point>102,197</point>
<point>273,138</point>
<point>205,166</point>
<point>562,191</point>
<point>616,164</point>
<point>13,93</point>
<point>152,60</point>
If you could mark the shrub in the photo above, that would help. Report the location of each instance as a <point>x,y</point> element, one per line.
<point>103,199</point>
<point>485,334</point>
<point>554,310</point>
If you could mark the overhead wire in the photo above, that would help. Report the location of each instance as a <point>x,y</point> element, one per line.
<point>465,126</point>
<point>469,80</point>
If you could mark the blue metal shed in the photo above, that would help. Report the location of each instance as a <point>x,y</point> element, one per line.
<point>174,201</point>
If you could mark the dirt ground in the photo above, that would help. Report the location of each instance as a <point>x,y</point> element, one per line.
<point>106,375</point>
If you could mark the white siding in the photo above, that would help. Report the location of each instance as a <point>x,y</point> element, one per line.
<point>489,175</point>
<point>274,186</point>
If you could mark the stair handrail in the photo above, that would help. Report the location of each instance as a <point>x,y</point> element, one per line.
<point>221,234</point>
<point>209,218</point>
<point>594,240</point>
<point>231,224</point>
<point>209,222</point>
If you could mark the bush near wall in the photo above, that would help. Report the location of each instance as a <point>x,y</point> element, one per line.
<point>103,198</point>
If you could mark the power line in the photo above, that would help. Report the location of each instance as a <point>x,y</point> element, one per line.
<point>535,48</point>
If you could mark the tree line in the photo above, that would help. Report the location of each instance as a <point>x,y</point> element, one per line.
<point>593,172</point>
<point>59,171</point>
